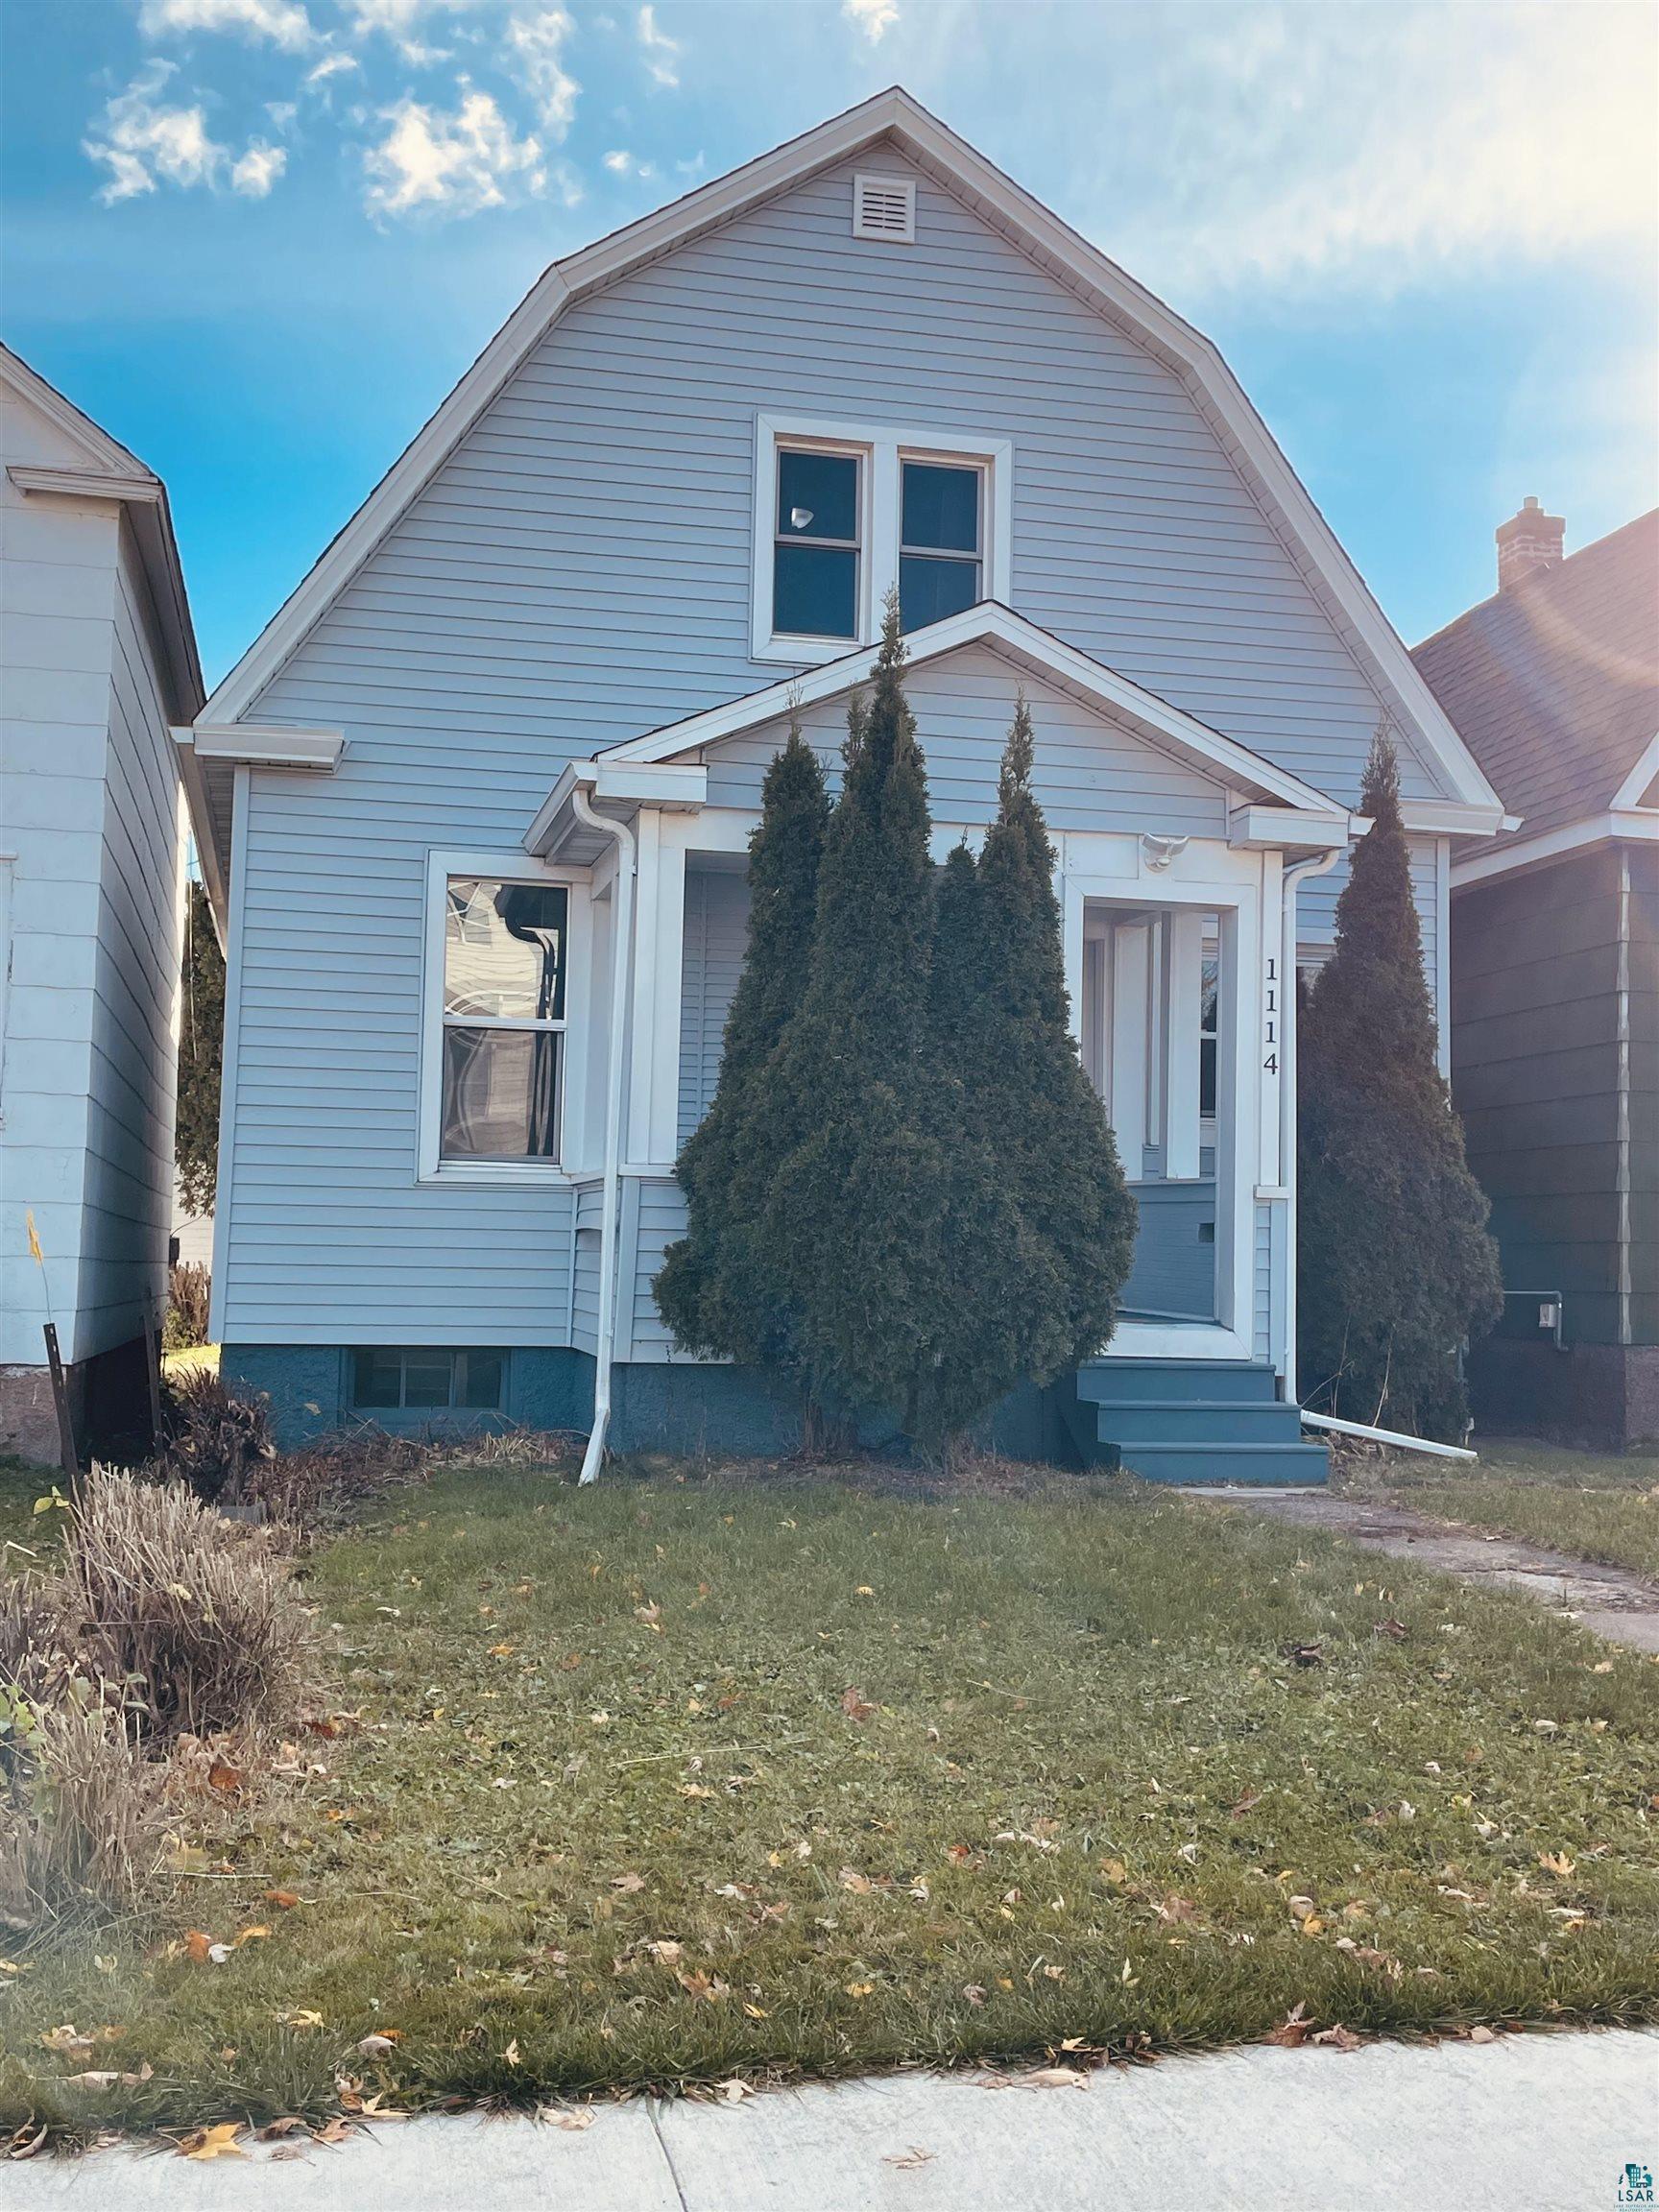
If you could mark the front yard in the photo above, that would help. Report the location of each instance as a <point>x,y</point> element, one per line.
<point>678,1779</point>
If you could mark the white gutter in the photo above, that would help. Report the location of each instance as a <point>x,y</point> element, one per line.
<point>622,934</point>
<point>1387,1437</point>
<point>1320,864</point>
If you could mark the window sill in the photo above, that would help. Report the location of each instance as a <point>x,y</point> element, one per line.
<point>514,1175</point>
<point>804,652</point>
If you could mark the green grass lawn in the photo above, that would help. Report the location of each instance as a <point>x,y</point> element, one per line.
<point>673,1779</point>
<point>1596,1505</point>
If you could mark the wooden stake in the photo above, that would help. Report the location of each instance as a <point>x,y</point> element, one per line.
<point>152,1365</point>
<point>66,1451</point>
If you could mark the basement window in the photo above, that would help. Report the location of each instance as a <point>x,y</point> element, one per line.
<point>407,1378</point>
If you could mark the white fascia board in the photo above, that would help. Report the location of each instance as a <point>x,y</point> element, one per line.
<point>1031,649</point>
<point>623,785</point>
<point>87,483</point>
<point>1642,772</point>
<point>103,452</point>
<point>214,866</point>
<point>1036,231</point>
<point>269,745</point>
<point>1624,824</point>
<point>1269,829</point>
<point>1451,818</point>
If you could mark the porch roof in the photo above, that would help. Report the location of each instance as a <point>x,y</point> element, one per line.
<point>1030,651</point>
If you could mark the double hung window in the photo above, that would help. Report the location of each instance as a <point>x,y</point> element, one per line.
<point>505,957</point>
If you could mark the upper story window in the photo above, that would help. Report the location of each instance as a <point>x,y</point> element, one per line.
<point>844,511</point>
<point>816,552</point>
<point>941,540</point>
<point>505,957</point>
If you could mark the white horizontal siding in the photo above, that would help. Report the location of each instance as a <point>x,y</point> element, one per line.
<point>1262,1304</point>
<point>716,937</point>
<point>659,1218</point>
<point>1087,772</point>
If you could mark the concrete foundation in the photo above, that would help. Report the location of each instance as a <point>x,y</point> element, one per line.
<point>1603,1395</point>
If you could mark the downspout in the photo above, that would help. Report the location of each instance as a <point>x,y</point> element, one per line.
<point>1320,864</point>
<point>605,1331</point>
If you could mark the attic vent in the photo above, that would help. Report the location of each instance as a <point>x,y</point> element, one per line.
<point>885,208</point>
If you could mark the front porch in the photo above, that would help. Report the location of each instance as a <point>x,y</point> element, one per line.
<point>1176,860</point>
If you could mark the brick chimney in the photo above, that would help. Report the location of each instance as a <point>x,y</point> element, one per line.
<point>1527,542</point>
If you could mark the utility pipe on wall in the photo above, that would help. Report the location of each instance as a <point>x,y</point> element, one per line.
<point>1290,881</point>
<point>621,962</point>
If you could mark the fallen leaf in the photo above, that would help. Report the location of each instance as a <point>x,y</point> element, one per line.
<point>284,1900</point>
<point>860,1885</point>
<point>908,2160</point>
<point>303,2019</point>
<point>381,2045</point>
<point>290,2124</point>
<point>1251,1797</point>
<point>511,2053</point>
<point>111,2080</point>
<point>1396,1629</point>
<point>224,1777</point>
<point>1302,1655</point>
<point>1482,2035</point>
<point>1053,2078</point>
<point>856,1706</point>
<point>214,2142</point>
<point>23,2143</point>
<point>333,2131</point>
<point>1338,2038</point>
<point>199,1946</point>
<point>734,2091</point>
<point>975,1992</point>
<point>1556,1862</point>
<point>68,2040</point>
<point>860,1988</point>
<point>1292,2031</point>
<point>627,1884</point>
<point>573,2119</point>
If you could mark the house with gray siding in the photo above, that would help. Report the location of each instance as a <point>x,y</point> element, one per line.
<point>1554,684</point>
<point>97,667</point>
<point>480,796</point>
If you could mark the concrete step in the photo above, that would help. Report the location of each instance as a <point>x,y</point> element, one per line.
<point>1222,1381</point>
<point>1206,1463</point>
<point>1198,1421</point>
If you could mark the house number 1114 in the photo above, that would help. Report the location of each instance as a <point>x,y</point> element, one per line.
<point>1270,1018</point>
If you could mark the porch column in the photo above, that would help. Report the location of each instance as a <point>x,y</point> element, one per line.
<point>1184,970</point>
<point>653,1114</point>
<point>1126,1067</point>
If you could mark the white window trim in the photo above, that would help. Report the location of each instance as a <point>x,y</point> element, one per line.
<point>882,446</point>
<point>511,866</point>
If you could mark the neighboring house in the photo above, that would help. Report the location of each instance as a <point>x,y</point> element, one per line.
<point>1553,684</point>
<point>481,792</point>
<point>97,662</point>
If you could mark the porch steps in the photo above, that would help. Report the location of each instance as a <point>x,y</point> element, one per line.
<point>1191,1420</point>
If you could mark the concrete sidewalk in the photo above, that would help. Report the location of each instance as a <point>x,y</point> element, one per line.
<point>1528,2124</point>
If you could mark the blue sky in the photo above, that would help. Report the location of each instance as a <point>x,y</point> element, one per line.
<point>259,239</point>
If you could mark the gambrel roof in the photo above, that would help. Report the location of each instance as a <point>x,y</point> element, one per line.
<point>894,117</point>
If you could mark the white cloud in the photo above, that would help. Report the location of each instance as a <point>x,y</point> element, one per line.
<point>145,142</point>
<point>451,164</point>
<point>331,65</point>
<point>662,53</point>
<point>622,163</point>
<point>1343,145</point>
<point>874,17</point>
<point>283,22</point>
<point>538,41</point>
<point>400,21</point>
<point>257,170</point>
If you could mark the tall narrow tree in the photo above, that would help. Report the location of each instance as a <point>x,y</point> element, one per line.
<point>853,1222</point>
<point>1065,1217</point>
<point>200,1046</point>
<point>716,1291</point>
<point>1396,1268</point>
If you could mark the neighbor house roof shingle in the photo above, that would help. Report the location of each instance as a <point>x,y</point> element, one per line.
<point>1553,684</point>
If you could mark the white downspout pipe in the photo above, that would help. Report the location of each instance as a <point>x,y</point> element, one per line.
<point>621,938</point>
<point>1320,864</point>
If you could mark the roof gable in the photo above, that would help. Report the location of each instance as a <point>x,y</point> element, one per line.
<point>1005,207</point>
<point>1029,652</point>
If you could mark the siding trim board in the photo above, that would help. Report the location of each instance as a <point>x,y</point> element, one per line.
<point>974,184</point>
